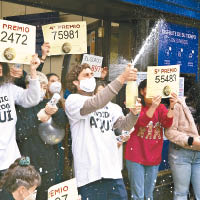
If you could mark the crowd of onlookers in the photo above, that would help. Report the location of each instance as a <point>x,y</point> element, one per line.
<point>94,121</point>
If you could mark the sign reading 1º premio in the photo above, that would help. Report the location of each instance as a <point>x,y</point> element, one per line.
<point>163,80</point>
<point>17,42</point>
<point>66,37</point>
<point>95,63</point>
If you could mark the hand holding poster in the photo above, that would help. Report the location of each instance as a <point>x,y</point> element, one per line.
<point>95,63</point>
<point>17,42</point>
<point>163,80</point>
<point>66,37</point>
<point>64,191</point>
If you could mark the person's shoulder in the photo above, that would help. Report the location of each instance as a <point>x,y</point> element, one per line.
<point>76,98</point>
<point>162,107</point>
<point>114,106</point>
<point>7,85</point>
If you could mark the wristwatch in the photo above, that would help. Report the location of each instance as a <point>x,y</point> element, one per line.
<point>190,141</point>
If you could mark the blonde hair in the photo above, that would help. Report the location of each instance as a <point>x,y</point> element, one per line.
<point>41,77</point>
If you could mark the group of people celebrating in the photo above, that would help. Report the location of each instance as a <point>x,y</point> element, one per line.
<point>93,120</point>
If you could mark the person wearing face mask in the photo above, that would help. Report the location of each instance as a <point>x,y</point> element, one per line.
<point>54,87</point>
<point>94,146</point>
<point>43,156</point>
<point>20,180</point>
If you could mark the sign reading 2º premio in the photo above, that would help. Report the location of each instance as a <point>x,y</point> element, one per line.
<point>66,37</point>
<point>17,42</point>
<point>163,80</point>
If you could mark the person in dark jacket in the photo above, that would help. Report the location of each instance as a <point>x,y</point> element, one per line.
<point>43,156</point>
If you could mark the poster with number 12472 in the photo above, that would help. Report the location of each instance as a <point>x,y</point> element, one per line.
<point>17,42</point>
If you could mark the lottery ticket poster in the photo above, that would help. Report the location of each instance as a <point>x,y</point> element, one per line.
<point>64,191</point>
<point>17,42</point>
<point>143,75</point>
<point>163,80</point>
<point>95,63</point>
<point>66,37</point>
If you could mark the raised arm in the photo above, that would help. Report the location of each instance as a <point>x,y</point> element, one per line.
<point>109,92</point>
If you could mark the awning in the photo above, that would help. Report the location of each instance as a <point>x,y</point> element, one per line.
<point>185,8</point>
<point>120,9</point>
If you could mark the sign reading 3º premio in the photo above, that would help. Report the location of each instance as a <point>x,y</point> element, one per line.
<point>66,37</point>
<point>17,42</point>
<point>163,80</point>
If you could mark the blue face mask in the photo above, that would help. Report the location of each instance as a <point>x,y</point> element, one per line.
<point>88,85</point>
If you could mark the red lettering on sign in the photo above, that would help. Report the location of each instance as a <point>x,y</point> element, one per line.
<point>57,191</point>
<point>16,28</point>
<point>168,70</point>
<point>69,26</point>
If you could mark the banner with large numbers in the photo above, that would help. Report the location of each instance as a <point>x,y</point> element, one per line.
<point>66,37</point>
<point>163,80</point>
<point>64,191</point>
<point>143,75</point>
<point>178,45</point>
<point>95,63</point>
<point>17,42</point>
<point>37,20</point>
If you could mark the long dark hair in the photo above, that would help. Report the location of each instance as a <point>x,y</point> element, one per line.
<point>193,100</point>
<point>19,175</point>
<point>142,86</point>
<point>6,78</point>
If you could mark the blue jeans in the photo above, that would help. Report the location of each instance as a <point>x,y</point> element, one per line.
<point>185,167</point>
<point>104,189</point>
<point>142,180</point>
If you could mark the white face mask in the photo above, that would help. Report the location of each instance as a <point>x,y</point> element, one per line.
<point>88,85</point>
<point>42,94</point>
<point>55,87</point>
<point>31,196</point>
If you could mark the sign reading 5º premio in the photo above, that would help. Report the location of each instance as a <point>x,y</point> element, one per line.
<point>66,37</point>
<point>163,80</point>
<point>17,42</point>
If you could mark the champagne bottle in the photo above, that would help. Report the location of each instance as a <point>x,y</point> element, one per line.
<point>131,94</point>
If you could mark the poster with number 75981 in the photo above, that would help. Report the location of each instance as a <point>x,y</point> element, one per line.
<point>17,42</point>
<point>66,37</point>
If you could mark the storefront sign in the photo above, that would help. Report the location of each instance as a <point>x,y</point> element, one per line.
<point>178,45</point>
<point>162,80</point>
<point>95,63</point>
<point>66,37</point>
<point>17,42</point>
<point>64,191</point>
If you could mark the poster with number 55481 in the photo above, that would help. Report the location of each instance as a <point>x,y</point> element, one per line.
<point>163,80</point>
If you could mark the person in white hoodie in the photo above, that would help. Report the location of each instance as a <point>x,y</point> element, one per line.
<point>10,95</point>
